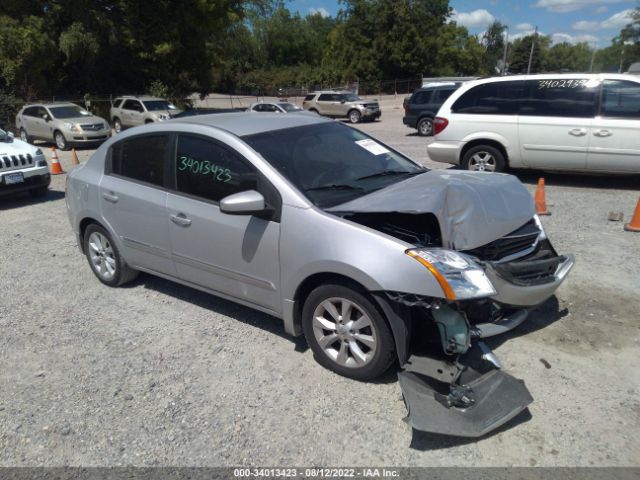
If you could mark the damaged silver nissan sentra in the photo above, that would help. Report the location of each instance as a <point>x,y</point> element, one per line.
<point>372,257</point>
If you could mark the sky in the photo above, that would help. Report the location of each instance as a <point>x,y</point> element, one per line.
<point>592,21</point>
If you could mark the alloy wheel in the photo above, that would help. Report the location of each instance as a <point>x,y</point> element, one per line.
<point>102,257</point>
<point>482,162</point>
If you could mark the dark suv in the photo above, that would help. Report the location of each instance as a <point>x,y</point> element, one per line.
<point>421,107</point>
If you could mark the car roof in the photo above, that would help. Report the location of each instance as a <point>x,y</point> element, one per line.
<point>138,97</point>
<point>242,123</point>
<point>52,104</point>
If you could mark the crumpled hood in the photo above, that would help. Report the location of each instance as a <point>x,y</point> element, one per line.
<point>473,208</point>
<point>16,147</point>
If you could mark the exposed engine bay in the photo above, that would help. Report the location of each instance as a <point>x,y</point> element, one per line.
<point>451,381</point>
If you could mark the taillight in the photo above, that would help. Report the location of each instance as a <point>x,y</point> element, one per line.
<point>439,124</point>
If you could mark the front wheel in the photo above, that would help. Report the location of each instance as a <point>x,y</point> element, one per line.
<point>425,127</point>
<point>104,258</point>
<point>60,141</point>
<point>40,191</point>
<point>355,116</point>
<point>117,125</point>
<point>483,158</point>
<point>24,136</point>
<point>347,333</point>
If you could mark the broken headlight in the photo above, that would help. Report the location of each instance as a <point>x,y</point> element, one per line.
<point>458,275</point>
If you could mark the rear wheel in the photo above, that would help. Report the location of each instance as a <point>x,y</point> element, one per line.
<point>39,192</point>
<point>346,332</point>
<point>425,127</point>
<point>104,258</point>
<point>483,158</point>
<point>314,111</point>
<point>117,125</point>
<point>355,116</point>
<point>24,136</point>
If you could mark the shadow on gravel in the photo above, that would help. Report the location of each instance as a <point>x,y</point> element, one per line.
<point>219,305</point>
<point>24,199</point>
<point>544,315</point>
<point>610,182</point>
<point>434,441</point>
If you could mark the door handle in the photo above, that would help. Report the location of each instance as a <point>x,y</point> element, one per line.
<point>602,133</point>
<point>110,197</point>
<point>578,132</point>
<point>180,219</point>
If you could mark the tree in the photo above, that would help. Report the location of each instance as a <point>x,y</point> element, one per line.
<point>567,57</point>
<point>521,52</point>
<point>493,42</point>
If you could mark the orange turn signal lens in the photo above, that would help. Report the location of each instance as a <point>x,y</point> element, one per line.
<point>446,288</point>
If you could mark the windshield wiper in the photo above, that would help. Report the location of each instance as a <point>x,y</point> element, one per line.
<point>333,186</point>
<point>386,173</point>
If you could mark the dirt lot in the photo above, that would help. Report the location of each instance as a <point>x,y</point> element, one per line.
<point>160,374</point>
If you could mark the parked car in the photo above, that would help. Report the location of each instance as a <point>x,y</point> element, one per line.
<point>372,257</point>
<point>563,122</point>
<point>191,112</point>
<point>342,105</point>
<point>22,167</point>
<point>274,107</point>
<point>65,124</point>
<point>130,111</point>
<point>421,107</point>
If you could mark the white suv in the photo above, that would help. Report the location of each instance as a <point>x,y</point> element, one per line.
<point>22,167</point>
<point>570,122</point>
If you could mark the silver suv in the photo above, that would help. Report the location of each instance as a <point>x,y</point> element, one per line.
<point>66,124</point>
<point>374,258</point>
<point>342,105</point>
<point>130,111</point>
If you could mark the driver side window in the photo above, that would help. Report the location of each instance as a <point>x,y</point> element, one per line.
<point>207,170</point>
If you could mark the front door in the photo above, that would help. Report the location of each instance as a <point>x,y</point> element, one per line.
<point>237,255</point>
<point>555,123</point>
<point>133,200</point>
<point>614,145</point>
<point>132,113</point>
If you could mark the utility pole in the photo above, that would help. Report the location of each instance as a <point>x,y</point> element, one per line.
<point>593,56</point>
<point>533,44</point>
<point>504,55</point>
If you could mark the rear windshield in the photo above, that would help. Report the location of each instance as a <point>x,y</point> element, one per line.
<point>309,97</point>
<point>155,105</point>
<point>289,107</point>
<point>68,111</point>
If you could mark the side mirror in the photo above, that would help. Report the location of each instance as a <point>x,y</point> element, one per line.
<point>11,134</point>
<point>45,117</point>
<point>248,202</point>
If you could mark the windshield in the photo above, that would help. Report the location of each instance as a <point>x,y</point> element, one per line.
<point>68,111</point>
<point>3,135</point>
<point>290,107</point>
<point>332,163</point>
<point>350,97</point>
<point>155,105</point>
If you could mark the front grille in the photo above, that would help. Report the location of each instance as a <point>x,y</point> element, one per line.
<point>92,127</point>
<point>521,240</point>
<point>15,161</point>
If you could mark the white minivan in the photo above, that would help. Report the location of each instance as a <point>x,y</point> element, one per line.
<point>570,122</point>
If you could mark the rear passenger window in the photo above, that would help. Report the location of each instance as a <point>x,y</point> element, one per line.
<point>141,159</point>
<point>495,98</point>
<point>207,170</point>
<point>421,97</point>
<point>325,97</point>
<point>309,97</point>
<point>560,98</point>
<point>620,98</point>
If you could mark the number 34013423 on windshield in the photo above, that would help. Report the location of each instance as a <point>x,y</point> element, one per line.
<point>204,167</point>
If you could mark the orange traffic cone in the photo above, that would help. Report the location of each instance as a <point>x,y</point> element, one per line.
<point>74,157</point>
<point>56,168</point>
<point>540,200</point>
<point>634,224</point>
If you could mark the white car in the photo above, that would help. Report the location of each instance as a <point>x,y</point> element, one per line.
<point>22,167</point>
<point>561,122</point>
<point>274,107</point>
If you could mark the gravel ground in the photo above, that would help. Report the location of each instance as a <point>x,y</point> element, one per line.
<point>160,374</point>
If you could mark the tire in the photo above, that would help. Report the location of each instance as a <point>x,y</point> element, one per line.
<point>425,127</point>
<point>314,111</point>
<point>361,347</point>
<point>99,248</point>
<point>148,121</point>
<point>355,116</point>
<point>483,158</point>
<point>39,192</point>
<point>117,125</point>
<point>24,136</point>
<point>60,141</point>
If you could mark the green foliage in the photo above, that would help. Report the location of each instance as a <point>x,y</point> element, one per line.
<point>522,50</point>
<point>158,89</point>
<point>493,42</point>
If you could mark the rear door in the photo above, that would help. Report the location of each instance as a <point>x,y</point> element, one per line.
<point>418,104</point>
<point>555,122</point>
<point>132,113</point>
<point>236,255</point>
<point>614,144</point>
<point>329,104</point>
<point>133,200</point>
